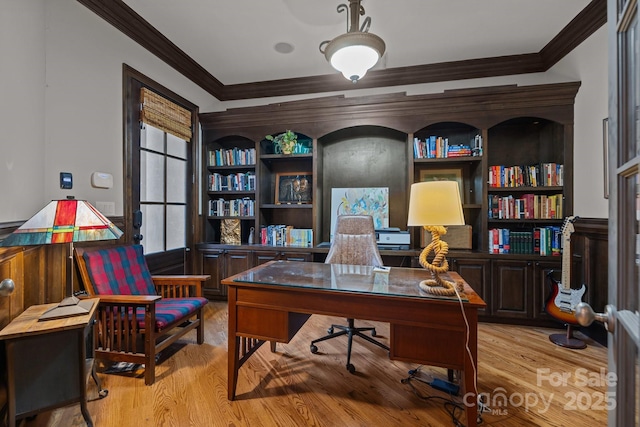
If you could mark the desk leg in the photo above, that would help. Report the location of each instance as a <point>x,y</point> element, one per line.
<point>233,364</point>
<point>83,379</point>
<point>233,351</point>
<point>470,370</point>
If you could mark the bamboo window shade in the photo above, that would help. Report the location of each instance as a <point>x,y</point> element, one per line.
<point>159,112</point>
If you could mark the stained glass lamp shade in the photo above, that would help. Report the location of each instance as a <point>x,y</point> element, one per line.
<point>65,221</point>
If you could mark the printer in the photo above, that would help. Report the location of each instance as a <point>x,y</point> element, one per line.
<point>393,238</point>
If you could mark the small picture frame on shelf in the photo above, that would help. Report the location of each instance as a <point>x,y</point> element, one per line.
<point>452,174</point>
<point>293,188</point>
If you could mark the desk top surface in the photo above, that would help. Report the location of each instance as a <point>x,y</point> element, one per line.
<point>401,282</point>
<point>27,322</point>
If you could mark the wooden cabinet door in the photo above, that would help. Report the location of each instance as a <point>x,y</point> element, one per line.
<point>213,264</point>
<point>260,257</point>
<point>476,272</point>
<point>297,256</point>
<point>542,286</point>
<point>237,261</point>
<point>512,288</point>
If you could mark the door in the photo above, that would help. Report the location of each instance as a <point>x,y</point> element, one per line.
<point>621,315</point>
<point>624,208</point>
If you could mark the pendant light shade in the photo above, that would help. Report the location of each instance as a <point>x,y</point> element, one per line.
<point>357,51</point>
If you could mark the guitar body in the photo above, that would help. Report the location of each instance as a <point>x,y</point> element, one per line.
<point>562,302</point>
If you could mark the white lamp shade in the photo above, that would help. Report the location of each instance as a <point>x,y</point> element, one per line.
<point>354,53</point>
<point>435,203</point>
<point>354,61</point>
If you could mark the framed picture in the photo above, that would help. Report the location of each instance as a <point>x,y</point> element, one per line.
<point>293,188</point>
<point>605,151</point>
<point>454,174</point>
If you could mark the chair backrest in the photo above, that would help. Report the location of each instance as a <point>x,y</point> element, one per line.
<point>115,270</point>
<point>354,242</point>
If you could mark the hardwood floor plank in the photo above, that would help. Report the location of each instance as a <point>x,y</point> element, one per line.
<point>293,387</point>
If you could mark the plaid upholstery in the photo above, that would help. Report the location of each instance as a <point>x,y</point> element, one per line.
<point>119,270</point>
<point>169,310</point>
<point>123,270</point>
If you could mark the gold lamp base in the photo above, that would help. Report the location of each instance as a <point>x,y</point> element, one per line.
<point>436,285</point>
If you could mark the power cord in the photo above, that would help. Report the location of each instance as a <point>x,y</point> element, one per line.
<point>453,408</point>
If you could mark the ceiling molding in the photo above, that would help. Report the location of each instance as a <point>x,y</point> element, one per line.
<point>125,19</point>
<point>121,16</point>
<point>587,22</point>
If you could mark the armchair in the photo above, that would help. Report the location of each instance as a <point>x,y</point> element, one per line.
<point>354,243</point>
<point>138,315</point>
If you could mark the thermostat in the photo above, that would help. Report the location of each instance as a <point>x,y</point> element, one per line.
<point>102,180</point>
<point>66,180</point>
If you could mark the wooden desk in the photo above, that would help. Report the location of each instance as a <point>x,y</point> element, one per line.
<point>271,302</point>
<point>46,362</point>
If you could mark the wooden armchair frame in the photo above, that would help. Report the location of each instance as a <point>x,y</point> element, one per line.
<point>118,334</point>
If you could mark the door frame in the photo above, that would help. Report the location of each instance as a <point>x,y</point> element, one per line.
<point>132,81</point>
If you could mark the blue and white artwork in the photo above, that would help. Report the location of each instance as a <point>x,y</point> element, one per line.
<point>372,201</point>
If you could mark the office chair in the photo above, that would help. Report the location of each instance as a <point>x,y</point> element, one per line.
<point>354,243</point>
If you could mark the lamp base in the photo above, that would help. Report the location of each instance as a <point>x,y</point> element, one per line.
<point>67,308</point>
<point>440,287</point>
<point>436,285</point>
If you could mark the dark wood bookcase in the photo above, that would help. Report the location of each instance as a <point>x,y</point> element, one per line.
<point>368,142</point>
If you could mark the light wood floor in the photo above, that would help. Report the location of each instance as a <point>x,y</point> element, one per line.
<point>296,388</point>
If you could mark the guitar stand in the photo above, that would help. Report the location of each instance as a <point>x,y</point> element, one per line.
<point>567,340</point>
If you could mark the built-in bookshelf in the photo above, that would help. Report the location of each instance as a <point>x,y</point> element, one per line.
<point>286,194</point>
<point>526,186</point>
<point>231,184</point>
<point>499,143</point>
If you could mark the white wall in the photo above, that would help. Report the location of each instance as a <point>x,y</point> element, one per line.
<point>22,109</point>
<point>62,104</point>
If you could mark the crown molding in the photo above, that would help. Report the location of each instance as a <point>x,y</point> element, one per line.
<point>125,19</point>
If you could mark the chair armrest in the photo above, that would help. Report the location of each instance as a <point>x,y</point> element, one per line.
<point>180,286</point>
<point>128,299</point>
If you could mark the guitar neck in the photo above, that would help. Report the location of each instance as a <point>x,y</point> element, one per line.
<point>566,262</point>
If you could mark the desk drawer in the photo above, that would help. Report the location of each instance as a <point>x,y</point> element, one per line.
<point>443,347</point>
<point>267,324</point>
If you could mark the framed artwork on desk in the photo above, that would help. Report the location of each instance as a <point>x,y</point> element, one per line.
<point>293,188</point>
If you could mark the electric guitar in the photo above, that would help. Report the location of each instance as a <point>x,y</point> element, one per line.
<point>563,299</point>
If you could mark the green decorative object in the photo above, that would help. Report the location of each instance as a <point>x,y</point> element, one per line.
<point>284,143</point>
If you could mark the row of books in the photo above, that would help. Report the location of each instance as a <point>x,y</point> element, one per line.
<point>538,175</point>
<point>527,206</point>
<point>233,182</point>
<point>286,235</point>
<point>437,147</point>
<point>232,157</point>
<point>237,207</point>
<point>545,241</point>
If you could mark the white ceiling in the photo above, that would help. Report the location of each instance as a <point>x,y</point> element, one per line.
<point>234,39</point>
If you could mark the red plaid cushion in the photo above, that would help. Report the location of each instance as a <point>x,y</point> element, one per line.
<point>120,270</point>
<point>170,309</point>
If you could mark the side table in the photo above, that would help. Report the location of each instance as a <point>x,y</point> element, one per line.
<point>46,362</point>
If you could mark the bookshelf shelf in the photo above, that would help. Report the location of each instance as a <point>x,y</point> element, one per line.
<point>287,206</point>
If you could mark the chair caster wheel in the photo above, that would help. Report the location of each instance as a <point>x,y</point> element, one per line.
<point>351,368</point>
<point>330,330</point>
<point>313,349</point>
<point>373,333</point>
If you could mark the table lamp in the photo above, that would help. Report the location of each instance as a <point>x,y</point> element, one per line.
<point>64,221</point>
<point>433,205</point>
